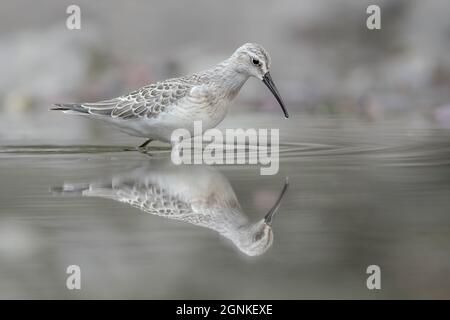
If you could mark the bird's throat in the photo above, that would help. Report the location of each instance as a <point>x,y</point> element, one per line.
<point>231,82</point>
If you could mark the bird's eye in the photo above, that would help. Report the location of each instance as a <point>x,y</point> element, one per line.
<point>259,235</point>
<point>255,62</point>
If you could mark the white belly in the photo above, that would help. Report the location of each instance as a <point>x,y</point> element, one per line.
<point>162,127</point>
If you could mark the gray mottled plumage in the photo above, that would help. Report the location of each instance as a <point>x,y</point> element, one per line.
<point>146,102</point>
<point>156,110</point>
<point>199,195</point>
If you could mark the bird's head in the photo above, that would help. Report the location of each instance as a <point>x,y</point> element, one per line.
<point>254,239</point>
<point>253,60</point>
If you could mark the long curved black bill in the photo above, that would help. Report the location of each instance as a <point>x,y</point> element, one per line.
<point>269,216</point>
<point>267,79</point>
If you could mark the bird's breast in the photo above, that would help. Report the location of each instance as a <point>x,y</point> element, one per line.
<point>210,109</point>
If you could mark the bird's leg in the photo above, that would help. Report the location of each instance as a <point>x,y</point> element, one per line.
<point>145,144</point>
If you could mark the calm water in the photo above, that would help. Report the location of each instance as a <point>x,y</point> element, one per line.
<point>360,193</point>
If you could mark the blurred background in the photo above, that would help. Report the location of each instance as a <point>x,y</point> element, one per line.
<point>325,60</point>
<point>366,149</point>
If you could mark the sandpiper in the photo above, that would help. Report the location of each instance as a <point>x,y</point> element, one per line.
<point>199,195</point>
<point>156,110</point>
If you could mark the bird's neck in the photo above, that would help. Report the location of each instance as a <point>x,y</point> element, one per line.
<point>228,80</point>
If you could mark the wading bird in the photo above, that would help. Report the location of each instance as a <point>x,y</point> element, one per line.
<point>156,110</point>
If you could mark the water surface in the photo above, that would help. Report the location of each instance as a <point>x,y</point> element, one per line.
<point>360,193</point>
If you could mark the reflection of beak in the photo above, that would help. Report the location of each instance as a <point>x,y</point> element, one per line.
<point>269,216</point>
<point>267,79</point>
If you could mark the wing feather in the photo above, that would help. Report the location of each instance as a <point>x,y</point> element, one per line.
<point>148,101</point>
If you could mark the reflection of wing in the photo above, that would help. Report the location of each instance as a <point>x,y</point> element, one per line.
<point>146,197</point>
<point>148,101</point>
<point>153,199</point>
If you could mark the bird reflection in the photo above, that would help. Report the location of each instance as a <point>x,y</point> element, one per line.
<point>196,194</point>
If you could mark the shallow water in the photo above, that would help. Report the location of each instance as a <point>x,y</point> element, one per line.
<point>360,193</point>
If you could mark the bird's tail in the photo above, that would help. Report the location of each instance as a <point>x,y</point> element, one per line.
<point>75,108</point>
<point>99,189</point>
<point>70,189</point>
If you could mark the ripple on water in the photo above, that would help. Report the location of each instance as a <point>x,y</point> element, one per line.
<point>411,153</point>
